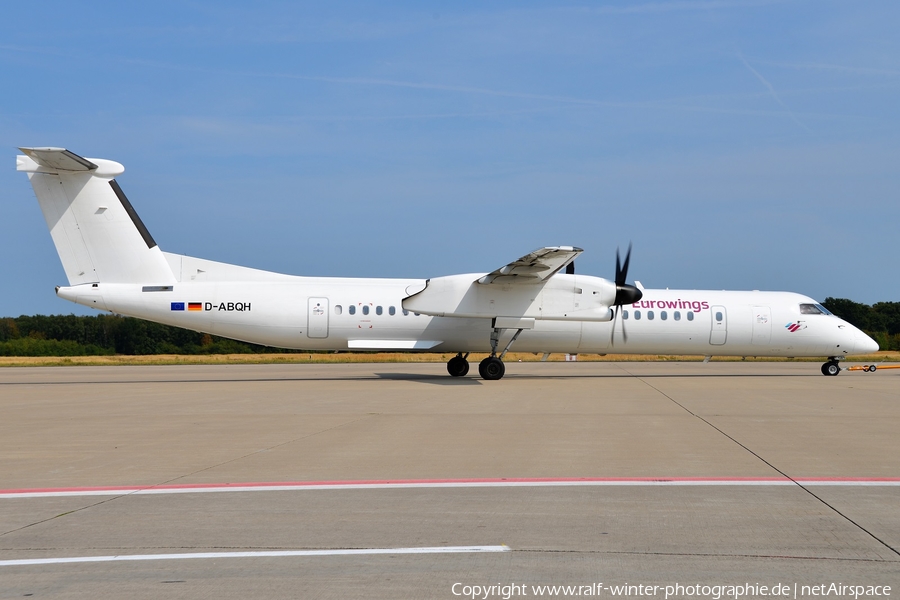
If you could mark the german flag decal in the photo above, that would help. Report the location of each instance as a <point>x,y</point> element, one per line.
<point>195,306</point>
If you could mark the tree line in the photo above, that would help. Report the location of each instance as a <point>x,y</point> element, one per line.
<point>71,335</point>
<point>880,320</point>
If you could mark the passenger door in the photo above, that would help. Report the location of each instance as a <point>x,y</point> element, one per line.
<point>317,318</point>
<point>762,326</point>
<point>719,326</point>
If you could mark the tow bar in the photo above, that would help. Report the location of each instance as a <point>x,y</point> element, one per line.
<point>871,368</point>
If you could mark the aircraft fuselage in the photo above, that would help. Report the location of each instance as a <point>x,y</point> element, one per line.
<point>368,314</point>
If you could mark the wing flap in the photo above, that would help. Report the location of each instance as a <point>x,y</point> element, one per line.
<point>535,267</point>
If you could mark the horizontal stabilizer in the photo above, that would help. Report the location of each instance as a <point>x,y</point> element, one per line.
<point>59,159</point>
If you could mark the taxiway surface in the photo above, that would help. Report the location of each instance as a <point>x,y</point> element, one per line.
<point>561,473</point>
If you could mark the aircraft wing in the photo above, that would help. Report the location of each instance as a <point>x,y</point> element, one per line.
<point>535,267</point>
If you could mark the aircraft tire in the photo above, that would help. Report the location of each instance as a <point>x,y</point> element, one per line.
<point>458,366</point>
<point>831,368</point>
<point>491,368</point>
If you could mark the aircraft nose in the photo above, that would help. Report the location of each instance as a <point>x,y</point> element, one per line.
<point>865,344</point>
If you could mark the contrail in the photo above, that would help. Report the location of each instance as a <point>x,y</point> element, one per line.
<point>772,92</point>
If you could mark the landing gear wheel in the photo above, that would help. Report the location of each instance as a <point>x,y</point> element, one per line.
<point>491,368</point>
<point>872,368</point>
<point>457,366</point>
<point>831,368</point>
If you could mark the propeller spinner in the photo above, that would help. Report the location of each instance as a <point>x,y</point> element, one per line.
<point>625,294</point>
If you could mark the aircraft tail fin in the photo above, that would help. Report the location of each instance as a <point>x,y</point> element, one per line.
<point>98,235</point>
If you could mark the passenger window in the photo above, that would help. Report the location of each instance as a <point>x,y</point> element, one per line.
<point>624,314</point>
<point>365,309</point>
<point>337,309</point>
<point>405,313</point>
<point>392,311</point>
<point>378,310</point>
<point>637,315</point>
<point>650,315</point>
<point>690,316</point>
<point>677,315</point>
<point>718,315</point>
<point>663,315</point>
<point>417,314</point>
<point>351,309</point>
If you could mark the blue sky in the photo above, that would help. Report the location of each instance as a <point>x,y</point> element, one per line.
<point>740,144</point>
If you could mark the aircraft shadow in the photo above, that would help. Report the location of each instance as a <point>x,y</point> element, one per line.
<point>445,379</point>
<point>434,379</point>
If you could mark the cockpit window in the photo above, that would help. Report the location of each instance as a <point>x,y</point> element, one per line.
<point>823,309</point>
<point>813,309</point>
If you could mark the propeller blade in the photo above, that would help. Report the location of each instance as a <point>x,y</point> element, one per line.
<point>612,332</point>
<point>625,266</point>
<point>625,294</point>
<point>618,269</point>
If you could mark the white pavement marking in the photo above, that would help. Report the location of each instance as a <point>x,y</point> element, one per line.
<point>369,485</point>
<point>259,554</point>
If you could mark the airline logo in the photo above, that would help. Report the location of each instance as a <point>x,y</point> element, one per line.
<point>795,326</point>
<point>694,305</point>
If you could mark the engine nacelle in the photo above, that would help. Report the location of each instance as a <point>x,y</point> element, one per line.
<point>561,298</point>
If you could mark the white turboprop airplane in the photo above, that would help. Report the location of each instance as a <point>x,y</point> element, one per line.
<point>536,302</point>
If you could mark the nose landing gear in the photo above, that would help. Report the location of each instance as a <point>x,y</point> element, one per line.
<point>831,368</point>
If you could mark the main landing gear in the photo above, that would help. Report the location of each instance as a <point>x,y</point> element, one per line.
<point>492,367</point>
<point>458,366</point>
<point>832,367</point>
